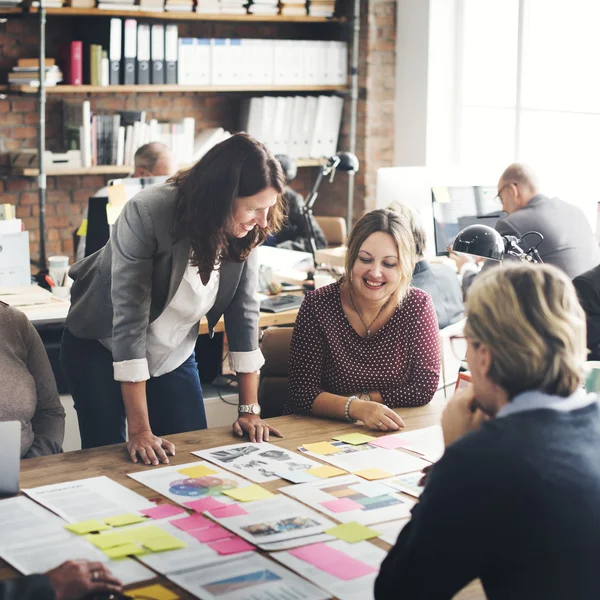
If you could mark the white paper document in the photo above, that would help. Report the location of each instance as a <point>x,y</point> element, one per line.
<point>343,499</point>
<point>390,531</point>
<point>407,483</point>
<point>34,540</point>
<point>427,442</point>
<point>259,462</point>
<point>93,498</point>
<point>250,578</point>
<point>180,484</point>
<point>358,588</point>
<point>276,519</point>
<point>370,457</point>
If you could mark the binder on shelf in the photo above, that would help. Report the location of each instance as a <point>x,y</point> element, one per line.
<point>72,59</point>
<point>203,63</point>
<point>171,54</point>
<point>186,69</point>
<point>129,51</point>
<point>143,54</point>
<point>114,53</point>
<point>157,53</point>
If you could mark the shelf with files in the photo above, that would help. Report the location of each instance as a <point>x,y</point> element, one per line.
<point>118,170</point>
<point>68,11</point>
<point>168,88</point>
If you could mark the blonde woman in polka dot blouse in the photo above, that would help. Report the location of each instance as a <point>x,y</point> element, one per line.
<point>369,343</point>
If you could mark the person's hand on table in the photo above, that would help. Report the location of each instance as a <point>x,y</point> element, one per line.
<point>375,415</point>
<point>461,415</point>
<point>257,429</point>
<point>460,259</point>
<point>150,448</point>
<point>76,579</point>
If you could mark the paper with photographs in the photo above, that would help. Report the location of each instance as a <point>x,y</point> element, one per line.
<point>259,462</point>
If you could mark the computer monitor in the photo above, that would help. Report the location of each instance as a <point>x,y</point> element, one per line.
<point>454,208</point>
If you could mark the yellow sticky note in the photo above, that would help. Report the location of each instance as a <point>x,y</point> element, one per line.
<point>321,448</point>
<point>126,519</point>
<point>124,550</point>
<point>117,195</point>
<point>84,527</point>
<point>197,471</point>
<point>354,438</point>
<point>248,494</point>
<point>141,534</point>
<point>441,194</point>
<point>110,539</point>
<point>156,592</point>
<point>325,471</point>
<point>161,544</point>
<point>352,532</point>
<point>82,228</point>
<point>372,474</point>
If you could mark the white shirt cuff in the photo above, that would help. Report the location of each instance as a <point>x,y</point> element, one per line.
<point>246,362</point>
<point>131,370</point>
<point>469,267</point>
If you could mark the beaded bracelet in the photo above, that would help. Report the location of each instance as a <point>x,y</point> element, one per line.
<point>347,409</point>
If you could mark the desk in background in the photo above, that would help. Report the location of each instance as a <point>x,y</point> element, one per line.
<point>113,462</point>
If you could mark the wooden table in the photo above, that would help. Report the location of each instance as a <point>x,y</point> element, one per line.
<point>113,462</point>
<point>286,317</point>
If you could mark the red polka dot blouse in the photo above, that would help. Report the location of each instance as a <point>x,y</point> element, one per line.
<point>401,361</point>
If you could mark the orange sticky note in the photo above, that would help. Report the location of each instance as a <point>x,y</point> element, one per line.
<point>323,448</point>
<point>325,472</point>
<point>372,474</point>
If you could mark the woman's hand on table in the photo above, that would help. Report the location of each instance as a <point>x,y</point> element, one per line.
<point>150,448</point>
<point>375,415</point>
<point>257,429</point>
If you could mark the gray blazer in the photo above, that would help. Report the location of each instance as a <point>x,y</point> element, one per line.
<point>126,285</point>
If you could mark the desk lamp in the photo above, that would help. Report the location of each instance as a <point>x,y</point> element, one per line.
<point>482,240</point>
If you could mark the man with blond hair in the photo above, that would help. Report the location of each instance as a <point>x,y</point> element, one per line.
<point>569,242</point>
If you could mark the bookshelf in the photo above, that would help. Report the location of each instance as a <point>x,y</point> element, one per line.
<point>119,170</point>
<point>351,32</point>
<point>175,88</point>
<point>174,16</point>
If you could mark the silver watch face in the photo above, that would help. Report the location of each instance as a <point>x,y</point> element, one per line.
<point>256,409</point>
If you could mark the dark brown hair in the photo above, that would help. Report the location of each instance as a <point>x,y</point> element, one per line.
<point>238,167</point>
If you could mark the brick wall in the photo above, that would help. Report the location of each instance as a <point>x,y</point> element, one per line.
<point>67,196</point>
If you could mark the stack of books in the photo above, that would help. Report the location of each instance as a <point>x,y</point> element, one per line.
<point>321,8</point>
<point>234,7</point>
<point>27,73</point>
<point>293,8</point>
<point>152,5</point>
<point>264,7</point>
<point>208,7</point>
<point>117,5</point>
<point>179,5</point>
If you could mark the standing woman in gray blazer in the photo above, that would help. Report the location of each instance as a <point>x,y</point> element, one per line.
<point>178,252</point>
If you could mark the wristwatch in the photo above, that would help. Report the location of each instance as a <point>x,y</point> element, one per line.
<point>251,409</point>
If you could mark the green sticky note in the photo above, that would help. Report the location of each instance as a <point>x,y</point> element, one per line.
<point>323,448</point>
<point>161,544</point>
<point>122,520</point>
<point>84,527</point>
<point>352,532</point>
<point>110,539</point>
<point>141,534</point>
<point>248,494</point>
<point>197,471</point>
<point>124,550</point>
<point>82,228</point>
<point>325,471</point>
<point>354,438</point>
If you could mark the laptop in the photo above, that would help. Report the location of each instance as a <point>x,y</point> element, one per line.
<point>10,450</point>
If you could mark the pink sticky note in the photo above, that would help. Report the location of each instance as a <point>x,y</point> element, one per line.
<point>210,534</point>
<point>333,561</point>
<point>191,523</point>
<point>233,545</point>
<point>390,442</point>
<point>163,511</point>
<point>231,510</point>
<point>204,504</point>
<point>342,505</point>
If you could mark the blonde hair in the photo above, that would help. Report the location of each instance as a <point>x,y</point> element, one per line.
<point>415,224</point>
<point>395,225</point>
<point>529,318</point>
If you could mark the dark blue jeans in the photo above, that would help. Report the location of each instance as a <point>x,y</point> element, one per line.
<point>175,402</point>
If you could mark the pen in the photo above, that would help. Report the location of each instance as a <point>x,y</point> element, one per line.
<point>49,281</point>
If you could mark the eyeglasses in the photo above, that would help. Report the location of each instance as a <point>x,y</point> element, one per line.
<point>458,343</point>
<point>498,195</point>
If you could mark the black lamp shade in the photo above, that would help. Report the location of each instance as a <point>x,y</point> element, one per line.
<point>479,240</point>
<point>348,162</point>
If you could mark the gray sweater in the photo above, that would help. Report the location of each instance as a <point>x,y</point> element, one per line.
<point>28,391</point>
